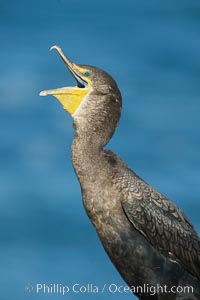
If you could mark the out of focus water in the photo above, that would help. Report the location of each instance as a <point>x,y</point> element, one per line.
<point>152,49</point>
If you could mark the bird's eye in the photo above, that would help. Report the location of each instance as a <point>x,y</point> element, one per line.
<point>86,74</point>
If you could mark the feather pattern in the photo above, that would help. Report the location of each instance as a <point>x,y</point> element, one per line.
<point>163,224</point>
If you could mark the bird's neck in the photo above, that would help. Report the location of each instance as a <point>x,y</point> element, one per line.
<point>87,159</point>
<point>92,133</point>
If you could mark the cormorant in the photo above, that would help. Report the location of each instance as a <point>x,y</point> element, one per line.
<point>149,240</point>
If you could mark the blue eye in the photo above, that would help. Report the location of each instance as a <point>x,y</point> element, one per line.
<point>86,74</point>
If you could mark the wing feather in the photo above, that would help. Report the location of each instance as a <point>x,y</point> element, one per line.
<point>163,224</point>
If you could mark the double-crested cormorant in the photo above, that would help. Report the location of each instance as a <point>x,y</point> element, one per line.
<point>148,239</point>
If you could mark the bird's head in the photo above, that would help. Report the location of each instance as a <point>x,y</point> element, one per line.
<point>95,99</point>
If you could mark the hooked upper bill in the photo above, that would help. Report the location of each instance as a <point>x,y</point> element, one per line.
<point>71,97</point>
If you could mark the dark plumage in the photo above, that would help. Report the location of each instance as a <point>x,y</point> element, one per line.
<point>148,239</point>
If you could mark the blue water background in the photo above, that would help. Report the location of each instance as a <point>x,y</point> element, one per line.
<point>152,49</point>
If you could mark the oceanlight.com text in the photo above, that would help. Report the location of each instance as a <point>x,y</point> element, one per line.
<point>90,288</point>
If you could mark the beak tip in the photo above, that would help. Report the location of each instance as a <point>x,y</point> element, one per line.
<point>43,93</point>
<point>55,47</point>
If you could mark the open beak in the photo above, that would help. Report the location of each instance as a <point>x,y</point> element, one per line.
<point>71,97</point>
